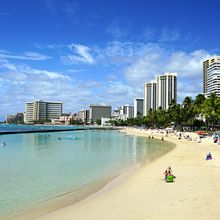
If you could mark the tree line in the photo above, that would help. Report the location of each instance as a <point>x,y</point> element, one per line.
<point>194,114</point>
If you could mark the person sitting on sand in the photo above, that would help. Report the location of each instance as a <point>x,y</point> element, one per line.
<point>208,156</point>
<point>165,174</point>
<point>168,172</point>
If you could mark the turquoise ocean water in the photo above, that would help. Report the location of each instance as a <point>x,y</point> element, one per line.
<point>35,167</point>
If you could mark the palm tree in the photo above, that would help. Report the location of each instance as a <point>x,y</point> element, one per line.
<point>151,118</point>
<point>161,117</point>
<point>188,111</point>
<point>199,104</point>
<point>212,109</point>
<point>174,113</point>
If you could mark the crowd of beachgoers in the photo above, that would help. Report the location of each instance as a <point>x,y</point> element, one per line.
<point>167,132</point>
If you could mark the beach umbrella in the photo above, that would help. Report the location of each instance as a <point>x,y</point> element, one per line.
<point>200,132</point>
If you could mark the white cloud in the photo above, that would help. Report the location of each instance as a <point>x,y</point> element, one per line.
<point>143,69</point>
<point>26,69</point>
<point>117,88</point>
<point>158,61</point>
<point>35,56</point>
<point>187,64</point>
<point>23,83</point>
<point>81,55</point>
<point>125,67</point>
<point>25,56</point>
<point>137,63</point>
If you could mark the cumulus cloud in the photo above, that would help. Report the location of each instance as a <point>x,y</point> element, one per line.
<point>23,83</point>
<point>125,67</point>
<point>158,61</point>
<point>187,64</point>
<point>155,62</point>
<point>137,63</point>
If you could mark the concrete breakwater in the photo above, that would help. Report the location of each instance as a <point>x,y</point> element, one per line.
<point>58,130</point>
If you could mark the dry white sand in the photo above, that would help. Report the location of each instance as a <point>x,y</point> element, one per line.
<point>144,194</point>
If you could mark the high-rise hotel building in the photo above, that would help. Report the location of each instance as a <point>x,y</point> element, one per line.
<point>211,76</point>
<point>149,96</point>
<point>166,90</point>
<point>160,92</point>
<point>99,111</point>
<point>42,111</point>
<point>138,107</point>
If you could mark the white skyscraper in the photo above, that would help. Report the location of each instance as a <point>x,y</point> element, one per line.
<point>211,76</point>
<point>166,90</point>
<point>160,92</point>
<point>149,97</point>
<point>29,112</point>
<point>138,107</point>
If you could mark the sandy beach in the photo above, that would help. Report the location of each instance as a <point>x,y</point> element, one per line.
<point>144,194</point>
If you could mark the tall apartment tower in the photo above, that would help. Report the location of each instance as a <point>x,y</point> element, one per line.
<point>211,76</point>
<point>42,111</point>
<point>149,97</point>
<point>29,112</point>
<point>166,90</point>
<point>138,107</point>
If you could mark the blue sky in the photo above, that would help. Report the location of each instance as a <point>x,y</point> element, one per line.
<point>101,51</point>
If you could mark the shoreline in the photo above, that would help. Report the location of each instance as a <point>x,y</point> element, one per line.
<point>145,195</point>
<point>58,202</point>
<point>73,197</point>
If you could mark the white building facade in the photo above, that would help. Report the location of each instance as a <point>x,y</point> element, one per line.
<point>166,90</point>
<point>149,97</point>
<point>126,111</point>
<point>138,107</point>
<point>160,93</point>
<point>42,111</point>
<point>212,83</point>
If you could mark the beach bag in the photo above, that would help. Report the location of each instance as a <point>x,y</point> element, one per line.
<point>169,178</point>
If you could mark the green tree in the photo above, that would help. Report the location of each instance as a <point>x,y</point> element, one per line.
<point>199,104</point>
<point>98,121</point>
<point>161,117</point>
<point>212,110</point>
<point>188,114</point>
<point>174,114</point>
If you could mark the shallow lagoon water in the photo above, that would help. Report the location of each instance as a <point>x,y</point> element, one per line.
<point>36,167</point>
